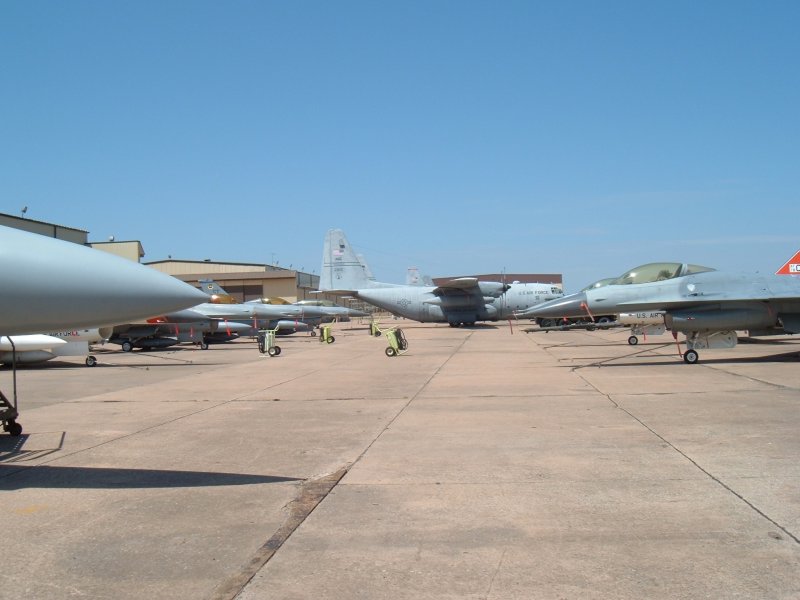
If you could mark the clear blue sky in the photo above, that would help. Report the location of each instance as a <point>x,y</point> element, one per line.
<point>457,136</point>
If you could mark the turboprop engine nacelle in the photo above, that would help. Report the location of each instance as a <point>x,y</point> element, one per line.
<point>650,317</point>
<point>725,319</point>
<point>492,289</point>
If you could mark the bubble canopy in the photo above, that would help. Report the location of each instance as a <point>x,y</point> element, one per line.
<point>659,272</point>
<point>601,283</point>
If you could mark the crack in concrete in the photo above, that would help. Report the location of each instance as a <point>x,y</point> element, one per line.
<point>696,464</point>
<point>312,492</point>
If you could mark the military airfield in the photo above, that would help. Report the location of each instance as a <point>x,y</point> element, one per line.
<point>483,463</point>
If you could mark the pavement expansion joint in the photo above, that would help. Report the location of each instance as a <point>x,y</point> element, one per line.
<point>705,471</point>
<point>312,492</point>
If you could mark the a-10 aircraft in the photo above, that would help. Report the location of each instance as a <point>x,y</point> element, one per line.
<point>53,285</point>
<point>461,301</point>
<point>706,305</point>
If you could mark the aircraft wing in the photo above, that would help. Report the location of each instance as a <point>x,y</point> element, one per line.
<point>459,286</point>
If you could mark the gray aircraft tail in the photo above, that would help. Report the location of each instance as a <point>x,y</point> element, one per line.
<point>413,277</point>
<point>343,270</point>
<point>218,295</point>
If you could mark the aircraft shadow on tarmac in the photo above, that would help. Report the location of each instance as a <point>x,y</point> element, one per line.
<point>640,360</point>
<point>15,477</point>
<point>53,365</point>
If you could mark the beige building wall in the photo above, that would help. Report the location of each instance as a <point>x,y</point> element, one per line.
<point>131,250</point>
<point>180,267</point>
<point>243,281</point>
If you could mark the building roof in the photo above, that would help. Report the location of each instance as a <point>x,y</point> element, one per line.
<point>18,218</point>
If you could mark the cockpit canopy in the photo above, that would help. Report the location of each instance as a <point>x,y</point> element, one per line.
<point>658,272</point>
<point>598,284</point>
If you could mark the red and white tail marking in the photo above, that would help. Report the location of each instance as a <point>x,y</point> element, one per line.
<point>792,266</point>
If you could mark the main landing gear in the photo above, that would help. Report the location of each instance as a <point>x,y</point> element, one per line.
<point>690,357</point>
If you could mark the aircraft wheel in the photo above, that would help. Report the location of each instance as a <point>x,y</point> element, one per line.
<point>330,339</point>
<point>690,357</point>
<point>91,361</point>
<point>274,351</point>
<point>633,340</point>
<point>391,352</point>
<point>13,428</point>
<point>204,345</point>
<point>127,347</point>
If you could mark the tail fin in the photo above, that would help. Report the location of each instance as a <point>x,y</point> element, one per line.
<point>413,277</point>
<point>792,266</point>
<point>218,295</point>
<point>341,268</point>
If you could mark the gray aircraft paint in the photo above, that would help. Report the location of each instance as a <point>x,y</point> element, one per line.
<point>700,305</point>
<point>464,300</point>
<point>50,284</point>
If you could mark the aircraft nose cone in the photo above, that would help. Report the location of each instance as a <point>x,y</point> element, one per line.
<point>573,305</point>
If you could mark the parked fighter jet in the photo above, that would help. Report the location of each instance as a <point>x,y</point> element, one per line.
<point>164,331</point>
<point>462,301</point>
<point>306,314</point>
<point>706,305</point>
<point>641,323</point>
<point>50,285</point>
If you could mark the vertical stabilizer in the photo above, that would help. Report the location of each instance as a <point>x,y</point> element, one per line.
<point>341,267</point>
<point>218,295</point>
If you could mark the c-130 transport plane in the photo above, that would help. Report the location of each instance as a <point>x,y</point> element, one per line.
<point>53,285</point>
<point>706,305</point>
<point>461,301</point>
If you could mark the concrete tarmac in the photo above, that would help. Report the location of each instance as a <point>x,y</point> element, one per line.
<point>480,464</point>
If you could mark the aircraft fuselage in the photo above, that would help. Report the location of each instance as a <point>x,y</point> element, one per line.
<point>420,303</point>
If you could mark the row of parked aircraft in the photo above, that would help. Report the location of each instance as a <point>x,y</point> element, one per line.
<point>88,295</point>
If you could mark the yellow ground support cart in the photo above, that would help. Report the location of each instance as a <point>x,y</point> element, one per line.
<point>397,341</point>
<point>266,342</point>
<point>325,334</point>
